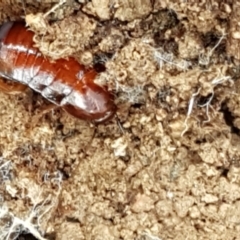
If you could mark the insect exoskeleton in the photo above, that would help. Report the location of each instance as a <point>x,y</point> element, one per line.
<point>65,82</point>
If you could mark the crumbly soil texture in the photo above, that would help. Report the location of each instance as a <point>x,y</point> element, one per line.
<point>167,166</point>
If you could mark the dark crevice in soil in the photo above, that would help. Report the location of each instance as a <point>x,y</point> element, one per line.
<point>229,119</point>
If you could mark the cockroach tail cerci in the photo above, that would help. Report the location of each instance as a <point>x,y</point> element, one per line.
<point>64,82</point>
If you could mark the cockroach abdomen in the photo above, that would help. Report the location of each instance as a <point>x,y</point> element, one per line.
<point>64,82</point>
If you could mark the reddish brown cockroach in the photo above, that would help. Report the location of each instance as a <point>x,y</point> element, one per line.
<point>64,82</point>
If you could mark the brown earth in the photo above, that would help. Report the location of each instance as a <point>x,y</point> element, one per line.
<point>168,167</point>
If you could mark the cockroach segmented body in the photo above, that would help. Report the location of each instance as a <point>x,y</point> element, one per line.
<point>64,82</point>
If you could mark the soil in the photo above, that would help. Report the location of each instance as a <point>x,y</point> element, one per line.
<point>167,167</point>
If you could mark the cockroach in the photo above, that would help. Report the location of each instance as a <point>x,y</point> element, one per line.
<point>64,82</point>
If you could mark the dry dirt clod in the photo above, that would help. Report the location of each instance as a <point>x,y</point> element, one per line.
<point>168,167</point>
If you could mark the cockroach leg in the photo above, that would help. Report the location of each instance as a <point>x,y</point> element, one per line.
<point>43,111</point>
<point>119,124</point>
<point>11,87</point>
